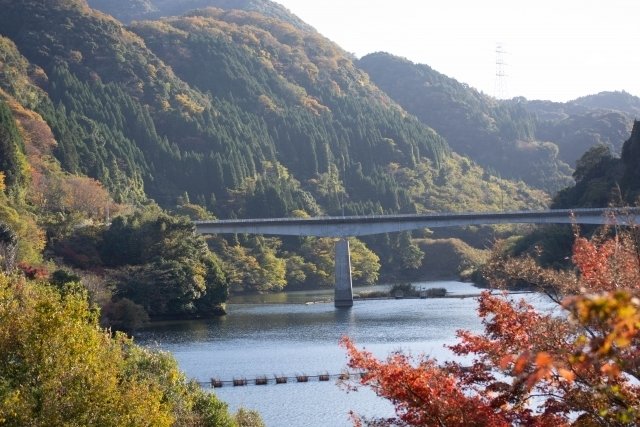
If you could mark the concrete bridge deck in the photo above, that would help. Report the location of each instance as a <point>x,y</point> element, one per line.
<point>347,226</point>
<point>350,226</point>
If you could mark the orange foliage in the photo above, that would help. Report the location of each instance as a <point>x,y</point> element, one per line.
<point>424,394</point>
<point>531,368</point>
<point>86,195</point>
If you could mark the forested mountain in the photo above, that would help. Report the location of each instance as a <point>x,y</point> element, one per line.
<point>226,113</point>
<point>130,10</point>
<point>498,135</point>
<point>575,126</point>
<point>128,111</point>
<point>614,101</point>
<point>530,140</point>
<point>603,102</point>
<point>602,178</point>
<point>113,138</point>
<point>575,133</point>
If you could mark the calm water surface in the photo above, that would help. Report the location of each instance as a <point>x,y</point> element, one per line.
<point>288,339</point>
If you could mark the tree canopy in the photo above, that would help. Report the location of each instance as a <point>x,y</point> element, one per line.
<point>57,367</point>
<point>530,367</point>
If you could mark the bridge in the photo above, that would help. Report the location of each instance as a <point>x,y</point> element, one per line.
<point>350,226</point>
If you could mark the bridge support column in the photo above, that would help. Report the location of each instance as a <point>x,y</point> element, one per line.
<point>343,290</point>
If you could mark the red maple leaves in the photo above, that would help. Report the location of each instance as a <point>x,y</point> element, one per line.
<point>531,368</point>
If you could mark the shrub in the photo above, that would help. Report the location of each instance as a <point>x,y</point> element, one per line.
<point>57,367</point>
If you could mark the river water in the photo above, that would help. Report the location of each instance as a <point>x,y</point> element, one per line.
<point>287,339</point>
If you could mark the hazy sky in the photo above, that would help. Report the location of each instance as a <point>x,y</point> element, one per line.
<point>555,49</point>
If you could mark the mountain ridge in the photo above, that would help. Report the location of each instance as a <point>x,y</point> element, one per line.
<point>504,134</point>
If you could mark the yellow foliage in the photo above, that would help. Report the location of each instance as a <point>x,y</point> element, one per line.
<point>314,105</point>
<point>267,103</point>
<point>31,238</point>
<point>68,372</point>
<point>57,367</point>
<point>2,184</point>
<point>188,104</point>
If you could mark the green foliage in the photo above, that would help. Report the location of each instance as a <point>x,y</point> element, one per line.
<point>600,179</point>
<point>12,160</point>
<point>248,418</point>
<point>365,264</point>
<point>124,315</point>
<point>194,212</point>
<point>631,161</point>
<point>30,237</point>
<point>445,258</point>
<point>8,244</point>
<point>402,256</point>
<point>164,266</point>
<point>271,194</point>
<point>61,278</point>
<point>594,158</point>
<point>57,367</point>
<point>239,114</point>
<point>497,135</point>
<point>254,267</point>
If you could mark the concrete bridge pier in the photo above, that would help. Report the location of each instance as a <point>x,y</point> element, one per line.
<point>343,290</point>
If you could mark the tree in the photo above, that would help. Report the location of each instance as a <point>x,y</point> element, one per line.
<point>528,367</point>
<point>365,264</point>
<point>161,264</point>
<point>8,246</point>
<point>12,161</point>
<point>57,367</point>
<point>255,268</point>
<point>590,160</point>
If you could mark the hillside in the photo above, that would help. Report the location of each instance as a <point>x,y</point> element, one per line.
<point>217,113</point>
<point>614,101</point>
<point>138,10</point>
<point>603,178</point>
<point>498,135</point>
<point>535,141</point>
<point>209,102</point>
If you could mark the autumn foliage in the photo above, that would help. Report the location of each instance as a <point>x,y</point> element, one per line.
<point>579,367</point>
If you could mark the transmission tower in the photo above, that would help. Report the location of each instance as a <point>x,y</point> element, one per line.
<point>501,74</point>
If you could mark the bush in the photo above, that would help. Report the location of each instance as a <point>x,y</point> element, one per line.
<point>57,367</point>
<point>248,418</point>
<point>403,290</point>
<point>124,315</point>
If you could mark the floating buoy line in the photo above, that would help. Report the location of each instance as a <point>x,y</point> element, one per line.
<point>279,379</point>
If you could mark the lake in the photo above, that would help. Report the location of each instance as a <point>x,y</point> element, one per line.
<point>286,339</point>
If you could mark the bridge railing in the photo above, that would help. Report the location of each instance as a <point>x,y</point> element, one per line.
<point>342,226</point>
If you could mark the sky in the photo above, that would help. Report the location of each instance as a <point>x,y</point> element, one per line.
<point>553,49</point>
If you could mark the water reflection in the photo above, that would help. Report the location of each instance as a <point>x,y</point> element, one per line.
<point>344,316</point>
<point>326,295</point>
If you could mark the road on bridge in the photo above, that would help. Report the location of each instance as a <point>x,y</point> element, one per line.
<point>347,226</point>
